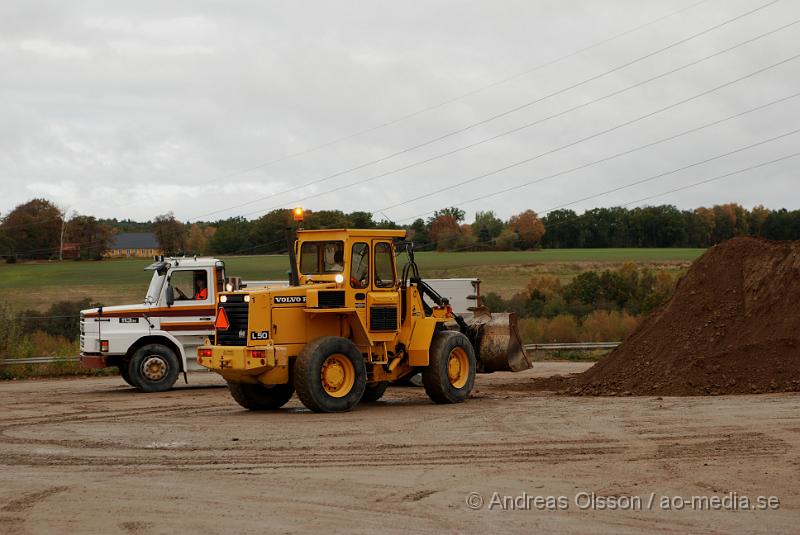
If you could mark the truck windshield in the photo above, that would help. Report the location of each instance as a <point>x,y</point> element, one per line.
<point>155,287</point>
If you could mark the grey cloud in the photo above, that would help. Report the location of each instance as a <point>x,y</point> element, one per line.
<point>131,110</point>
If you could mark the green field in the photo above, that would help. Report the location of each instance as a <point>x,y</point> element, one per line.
<point>36,285</point>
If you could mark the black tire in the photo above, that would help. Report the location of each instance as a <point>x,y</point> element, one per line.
<point>438,385</point>
<point>153,368</point>
<point>308,371</point>
<point>123,372</point>
<point>261,397</point>
<point>374,391</point>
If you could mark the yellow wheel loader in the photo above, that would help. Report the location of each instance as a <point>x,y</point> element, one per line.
<point>348,325</point>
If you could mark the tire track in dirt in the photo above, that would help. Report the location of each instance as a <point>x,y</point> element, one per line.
<point>352,455</point>
<point>12,514</point>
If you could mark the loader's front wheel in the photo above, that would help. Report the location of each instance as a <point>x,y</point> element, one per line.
<point>330,375</point>
<point>261,397</point>
<point>450,373</point>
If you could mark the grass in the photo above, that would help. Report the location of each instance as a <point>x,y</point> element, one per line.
<point>36,285</point>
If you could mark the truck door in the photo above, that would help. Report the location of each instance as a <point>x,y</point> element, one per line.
<point>191,316</point>
<point>383,300</point>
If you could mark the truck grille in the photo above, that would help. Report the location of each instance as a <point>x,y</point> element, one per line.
<point>383,318</point>
<point>238,312</point>
<point>333,299</point>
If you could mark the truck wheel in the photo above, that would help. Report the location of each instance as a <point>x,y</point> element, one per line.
<point>330,375</point>
<point>261,397</point>
<point>450,374</point>
<point>123,371</point>
<point>374,391</point>
<point>153,368</point>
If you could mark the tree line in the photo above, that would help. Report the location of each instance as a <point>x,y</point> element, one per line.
<point>38,229</point>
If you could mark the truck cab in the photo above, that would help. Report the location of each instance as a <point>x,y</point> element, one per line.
<point>153,342</point>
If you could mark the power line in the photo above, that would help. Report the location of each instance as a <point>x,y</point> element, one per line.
<point>614,156</point>
<point>661,194</point>
<point>590,102</point>
<point>440,104</point>
<point>462,96</point>
<point>518,108</point>
<point>517,129</point>
<point>600,133</point>
<point>542,120</point>
<point>679,169</point>
<point>498,115</point>
<point>714,179</point>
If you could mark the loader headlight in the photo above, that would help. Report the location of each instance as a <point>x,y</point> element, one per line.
<point>223,299</point>
<point>339,278</point>
<point>247,298</point>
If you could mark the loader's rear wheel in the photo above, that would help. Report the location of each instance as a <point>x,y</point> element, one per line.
<point>330,375</point>
<point>450,374</point>
<point>375,391</point>
<point>261,397</point>
<point>153,368</point>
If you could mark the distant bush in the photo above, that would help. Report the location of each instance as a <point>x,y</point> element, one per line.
<point>61,319</point>
<point>599,326</point>
<point>595,306</point>
<point>40,334</point>
<point>627,289</point>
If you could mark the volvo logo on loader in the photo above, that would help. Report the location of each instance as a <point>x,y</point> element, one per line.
<point>289,299</point>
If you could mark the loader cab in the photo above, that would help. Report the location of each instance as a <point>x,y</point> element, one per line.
<point>360,261</point>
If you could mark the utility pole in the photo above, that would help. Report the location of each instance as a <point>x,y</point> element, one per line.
<point>63,230</point>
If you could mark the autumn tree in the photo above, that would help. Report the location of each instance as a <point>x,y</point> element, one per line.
<point>758,216</point>
<point>529,229</point>
<point>170,233</point>
<point>34,229</point>
<point>445,232</point>
<point>199,235</point>
<point>91,236</point>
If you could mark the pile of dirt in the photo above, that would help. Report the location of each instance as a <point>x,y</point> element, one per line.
<point>732,327</point>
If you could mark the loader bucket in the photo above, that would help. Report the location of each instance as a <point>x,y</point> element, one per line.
<point>496,341</point>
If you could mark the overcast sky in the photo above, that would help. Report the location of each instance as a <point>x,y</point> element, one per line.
<point>133,109</point>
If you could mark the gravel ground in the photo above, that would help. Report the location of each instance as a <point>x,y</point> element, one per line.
<point>94,456</point>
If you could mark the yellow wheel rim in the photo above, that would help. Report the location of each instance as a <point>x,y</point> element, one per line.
<point>458,367</point>
<point>338,376</point>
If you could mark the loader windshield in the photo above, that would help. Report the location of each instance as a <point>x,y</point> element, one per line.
<point>320,257</point>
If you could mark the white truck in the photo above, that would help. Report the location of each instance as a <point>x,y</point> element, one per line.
<point>152,343</point>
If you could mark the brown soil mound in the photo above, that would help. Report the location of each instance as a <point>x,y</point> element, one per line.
<point>732,327</point>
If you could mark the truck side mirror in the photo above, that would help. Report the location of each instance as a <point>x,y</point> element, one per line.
<point>169,293</point>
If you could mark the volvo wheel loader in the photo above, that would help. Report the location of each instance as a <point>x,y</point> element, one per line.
<point>348,325</point>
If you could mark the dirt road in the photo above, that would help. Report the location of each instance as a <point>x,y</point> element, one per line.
<point>94,456</point>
